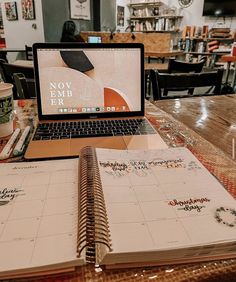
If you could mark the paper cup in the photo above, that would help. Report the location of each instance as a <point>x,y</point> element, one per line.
<point>6,109</point>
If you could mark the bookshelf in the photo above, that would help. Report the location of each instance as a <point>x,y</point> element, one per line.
<point>153,16</point>
<point>196,47</point>
<point>204,40</point>
<point>198,44</point>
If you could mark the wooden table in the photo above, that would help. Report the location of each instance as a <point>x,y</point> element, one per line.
<point>12,49</point>
<point>161,55</point>
<point>3,52</point>
<point>155,66</point>
<point>213,118</point>
<point>171,119</point>
<point>24,63</point>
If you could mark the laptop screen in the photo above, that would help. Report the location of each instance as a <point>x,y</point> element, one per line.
<point>78,80</point>
<point>94,39</point>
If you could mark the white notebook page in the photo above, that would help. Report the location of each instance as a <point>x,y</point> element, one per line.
<point>163,199</point>
<point>38,214</point>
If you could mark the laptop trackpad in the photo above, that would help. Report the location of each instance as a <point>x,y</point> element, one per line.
<point>115,142</point>
<point>48,149</point>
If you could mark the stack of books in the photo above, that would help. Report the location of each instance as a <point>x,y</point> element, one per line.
<point>220,33</point>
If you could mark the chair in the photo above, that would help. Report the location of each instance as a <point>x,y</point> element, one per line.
<point>25,86</point>
<point>8,73</point>
<point>162,83</point>
<point>176,66</point>
<point>185,67</point>
<point>28,53</point>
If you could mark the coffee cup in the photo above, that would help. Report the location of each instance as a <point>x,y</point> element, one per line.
<point>6,109</point>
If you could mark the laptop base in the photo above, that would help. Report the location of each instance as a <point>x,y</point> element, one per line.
<point>71,147</point>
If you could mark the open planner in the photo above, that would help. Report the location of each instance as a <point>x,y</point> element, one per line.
<point>115,208</point>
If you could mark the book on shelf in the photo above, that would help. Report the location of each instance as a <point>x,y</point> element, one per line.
<point>148,26</point>
<point>160,24</point>
<point>114,208</point>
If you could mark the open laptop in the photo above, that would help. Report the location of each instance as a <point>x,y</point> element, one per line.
<point>86,94</point>
<point>94,39</point>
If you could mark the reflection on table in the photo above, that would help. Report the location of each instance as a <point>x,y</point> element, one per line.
<point>213,118</point>
<point>175,133</point>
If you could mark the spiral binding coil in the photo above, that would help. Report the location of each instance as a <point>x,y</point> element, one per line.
<point>93,223</point>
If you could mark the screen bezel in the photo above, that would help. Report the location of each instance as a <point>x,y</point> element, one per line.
<point>76,45</point>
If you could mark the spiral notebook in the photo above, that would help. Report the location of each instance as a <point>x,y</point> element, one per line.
<point>56,215</point>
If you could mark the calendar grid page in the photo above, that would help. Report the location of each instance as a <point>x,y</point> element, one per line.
<point>38,214</point>
<point>163,200</point>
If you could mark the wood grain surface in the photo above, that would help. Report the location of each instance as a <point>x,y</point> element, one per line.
<point>213,118</point>
<point>153,41</point>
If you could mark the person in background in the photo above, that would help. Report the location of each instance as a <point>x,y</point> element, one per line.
<point>68,33</point>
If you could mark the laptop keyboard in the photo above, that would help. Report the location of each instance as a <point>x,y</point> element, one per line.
<point>92,128</point>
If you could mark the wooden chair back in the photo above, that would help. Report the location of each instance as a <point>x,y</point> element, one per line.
<point>163,83</point>
<point>185,67</point>
<point>176,66</point>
